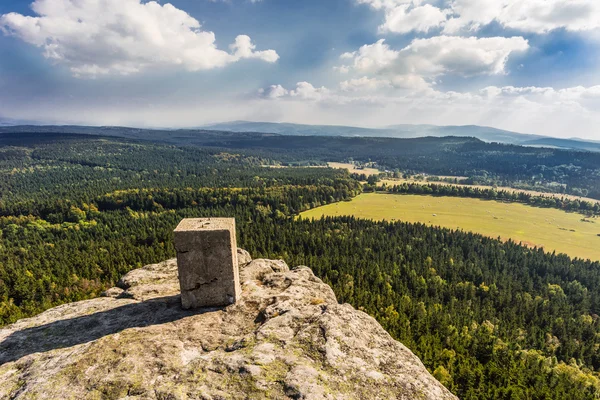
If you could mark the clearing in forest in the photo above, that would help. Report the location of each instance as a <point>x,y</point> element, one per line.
<point>552,229</point>
<point>392,182</point>
<point>353,169</point>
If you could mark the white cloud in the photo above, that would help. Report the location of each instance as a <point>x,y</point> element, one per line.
<point>364,83</point>
<point>123,37</point>
<point>410,82</point>
<point>273,92</point>
<point>568,112</point>
<point>342,69</point>
<point>537,16</point>
<point>372,57</point>
<point>384,4</point>
<point>244,48</point>
<point>583,96</point>
<point>587,98</point>
<point>405,19</point>
<point>466,56</point>
<point>564,112</point>
<point>404,16</point>
<point>417,65</point>
<point>307,91</point>
<point>472,14</point>
<point>541,16</point>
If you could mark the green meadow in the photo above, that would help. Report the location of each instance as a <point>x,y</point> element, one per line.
<point>551,229</point>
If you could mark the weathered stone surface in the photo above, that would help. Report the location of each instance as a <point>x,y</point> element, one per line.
<point>207,262</point>
<point>257,269</point>
<point>115,292</point>
<point>286,338</point>
<point>243,257</point>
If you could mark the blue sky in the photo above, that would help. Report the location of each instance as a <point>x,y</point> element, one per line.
<point>524,65</point>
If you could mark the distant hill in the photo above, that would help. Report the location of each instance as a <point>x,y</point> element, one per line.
<point>298,129</point>
<point>13,122</point>
<point>485,133</point>
<point>575,144</point>
<point>398,131</point>
<point>405,131</point>
<point>223,131</point>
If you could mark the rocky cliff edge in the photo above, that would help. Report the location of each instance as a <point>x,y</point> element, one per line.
<point>287,338</point>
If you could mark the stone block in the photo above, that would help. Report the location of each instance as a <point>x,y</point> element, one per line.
<point>207,262</point>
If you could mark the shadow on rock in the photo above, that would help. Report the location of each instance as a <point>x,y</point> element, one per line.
<point>87,328</point>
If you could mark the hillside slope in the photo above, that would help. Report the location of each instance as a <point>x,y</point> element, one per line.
<point>224,131</point>
<point>409,131</point>
<point>287,338</point>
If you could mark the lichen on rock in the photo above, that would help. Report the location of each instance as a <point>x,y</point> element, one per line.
<point>287,338</point>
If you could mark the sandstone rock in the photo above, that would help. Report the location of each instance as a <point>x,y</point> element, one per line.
<point>257,269</point>
<point>286,338</point>
<point>243,257</point>
<point>115,292</point>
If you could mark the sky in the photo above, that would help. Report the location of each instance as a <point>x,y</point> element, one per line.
<point>530,66</point>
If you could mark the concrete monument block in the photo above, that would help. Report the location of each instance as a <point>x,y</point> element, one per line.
<point>207,262</point>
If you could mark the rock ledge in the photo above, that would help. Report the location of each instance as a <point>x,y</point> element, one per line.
<point>287,338</point>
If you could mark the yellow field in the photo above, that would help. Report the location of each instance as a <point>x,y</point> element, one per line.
<point>392,182</point>
<point>549,228</point>
<point>353,169</point>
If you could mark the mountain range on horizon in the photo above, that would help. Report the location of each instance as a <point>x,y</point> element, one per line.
<point>409,131</point>
<point>400,131</point>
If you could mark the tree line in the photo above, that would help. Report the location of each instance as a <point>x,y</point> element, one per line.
<point>587,208</point>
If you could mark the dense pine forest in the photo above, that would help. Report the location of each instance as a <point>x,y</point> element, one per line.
<point>545,169</point>
<point>489,319</point>
<point>77,214</point>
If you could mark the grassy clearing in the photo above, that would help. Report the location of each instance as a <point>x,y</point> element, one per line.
<point>352,168</point>
<point>392,182</point>
<point>542,227</point>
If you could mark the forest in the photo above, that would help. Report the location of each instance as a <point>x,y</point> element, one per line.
<point>543,169</point>
<point>489,319</point>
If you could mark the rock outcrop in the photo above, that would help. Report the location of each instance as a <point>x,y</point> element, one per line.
<point>286,338</point>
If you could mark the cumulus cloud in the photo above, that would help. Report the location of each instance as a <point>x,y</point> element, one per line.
<point>385,4</point>
<point>583,97</point>
<point>307,91</point>
<point>587,98</point>
<point>472,14</point>
<point>410,82</point>
<point>371,57</point>
<point>302,91</point>
<point>536,16</point>
<point>404,16</point>
<point>364,83</point>
<point>123,37</point>
<point>466,56</point>
<point>244,48</point>
<point>405,19</point>
<point>273,92</point>
<point>417,65</point>
<point>543,110</point>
